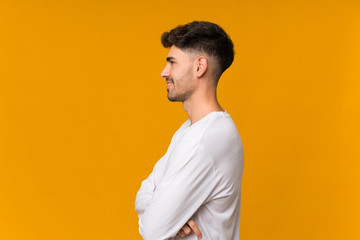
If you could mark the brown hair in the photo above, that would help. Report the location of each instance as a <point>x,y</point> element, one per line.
<point>204,37</point>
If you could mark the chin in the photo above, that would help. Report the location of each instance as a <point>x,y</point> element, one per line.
<point>174,99</point>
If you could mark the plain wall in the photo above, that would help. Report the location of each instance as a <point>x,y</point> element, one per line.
<point>84,114</point>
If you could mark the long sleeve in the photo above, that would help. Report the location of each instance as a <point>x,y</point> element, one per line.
<point>187,184</point>
<point>148,186</point>
<point>144,195</point>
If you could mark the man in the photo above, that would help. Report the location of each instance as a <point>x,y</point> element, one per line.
<point>194,189</point>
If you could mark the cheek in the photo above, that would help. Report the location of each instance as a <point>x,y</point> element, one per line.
<point>189,76</point>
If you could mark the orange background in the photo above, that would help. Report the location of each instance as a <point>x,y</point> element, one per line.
<point>84,114</point>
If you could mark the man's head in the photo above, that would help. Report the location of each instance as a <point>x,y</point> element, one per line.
<point>199,53</point>
<point>203,38</point>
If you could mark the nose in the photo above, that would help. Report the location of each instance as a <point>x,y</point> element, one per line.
<point>165,72</point>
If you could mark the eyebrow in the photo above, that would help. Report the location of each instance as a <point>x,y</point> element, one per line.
<point>168,59</point>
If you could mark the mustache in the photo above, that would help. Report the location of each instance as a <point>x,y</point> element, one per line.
<point>169,79</point>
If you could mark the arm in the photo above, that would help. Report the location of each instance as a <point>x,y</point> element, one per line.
<point>148,186</point>
<point>185,187</point>
<point>144,195</point>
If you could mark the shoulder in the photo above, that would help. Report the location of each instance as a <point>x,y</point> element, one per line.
<point>214,123</point>
<point>216,126</point>
<point>221,129</point>
<point>216,133</point>
<point>222,141</point>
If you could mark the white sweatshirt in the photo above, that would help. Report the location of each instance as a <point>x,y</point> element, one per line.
<point>199,177</point>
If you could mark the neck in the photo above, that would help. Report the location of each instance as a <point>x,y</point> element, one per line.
<point>201,104</point>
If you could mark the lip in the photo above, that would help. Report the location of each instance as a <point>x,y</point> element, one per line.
<point>169,84</point>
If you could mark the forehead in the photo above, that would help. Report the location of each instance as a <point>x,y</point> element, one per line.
<point>177,53</point>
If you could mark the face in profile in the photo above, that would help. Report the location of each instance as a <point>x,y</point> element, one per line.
<point>179,75</point>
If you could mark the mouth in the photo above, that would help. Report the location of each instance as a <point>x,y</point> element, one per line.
<point>169,83</point>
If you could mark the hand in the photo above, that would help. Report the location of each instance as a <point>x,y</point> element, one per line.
<point>188,228</point>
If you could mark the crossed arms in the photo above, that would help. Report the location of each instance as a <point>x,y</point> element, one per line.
<point>173,193</point>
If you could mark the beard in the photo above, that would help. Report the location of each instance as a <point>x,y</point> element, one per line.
<point>179,97</point>
<point>182,89</point>
<point>180,92</point>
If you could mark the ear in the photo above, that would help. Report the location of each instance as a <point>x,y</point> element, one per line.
<point>201,66</point>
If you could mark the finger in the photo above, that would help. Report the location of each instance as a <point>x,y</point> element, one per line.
<point>181,233</point>
<point>192,224</point>
<point>186,229</point>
